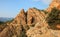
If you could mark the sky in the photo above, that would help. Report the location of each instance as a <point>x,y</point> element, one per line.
<point>10,8</point>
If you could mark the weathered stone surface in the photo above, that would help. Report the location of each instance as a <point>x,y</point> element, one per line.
<point>34,16</point>
<point>18,26</point>
<point>21,19</point>
<point>6,32</point>
<point>39,32</point>
<point>20,23</point>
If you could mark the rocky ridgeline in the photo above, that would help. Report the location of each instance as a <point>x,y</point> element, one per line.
<point>31,23</point>
<point>23,22</point>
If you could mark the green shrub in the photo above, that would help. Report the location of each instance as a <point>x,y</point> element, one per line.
<point>44,11</point>
<point>54,17</point>
<point>1,22</point>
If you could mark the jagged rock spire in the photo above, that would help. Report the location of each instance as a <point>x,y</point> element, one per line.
<point>20,16</point>
<point>23,21</point>
<point>20,19</point>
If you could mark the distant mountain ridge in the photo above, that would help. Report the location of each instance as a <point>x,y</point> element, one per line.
<point>3,19</point>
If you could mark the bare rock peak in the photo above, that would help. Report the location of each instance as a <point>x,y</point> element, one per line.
<point>22,11</point>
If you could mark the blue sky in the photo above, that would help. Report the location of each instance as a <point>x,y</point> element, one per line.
<point>10,8</point>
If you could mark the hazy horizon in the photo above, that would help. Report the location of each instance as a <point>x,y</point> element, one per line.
<point>10,8</point>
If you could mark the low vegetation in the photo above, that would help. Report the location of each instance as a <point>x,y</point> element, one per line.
<point>41,10</point>
<point>53,18</point>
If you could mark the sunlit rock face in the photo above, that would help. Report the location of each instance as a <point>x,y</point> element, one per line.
<point>14,29</point>
<point>54,3</point>
<point>34,16</point>
<point>23,22</point>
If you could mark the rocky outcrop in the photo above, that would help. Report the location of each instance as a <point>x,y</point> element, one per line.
<point>23,22</point>
<point>54,3</point>
<point>28,24</point>
<point>39,31</point>
<point>18,26</point>
<point>34,16</point>
<point>6,32</point>
<point>21,19</point>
